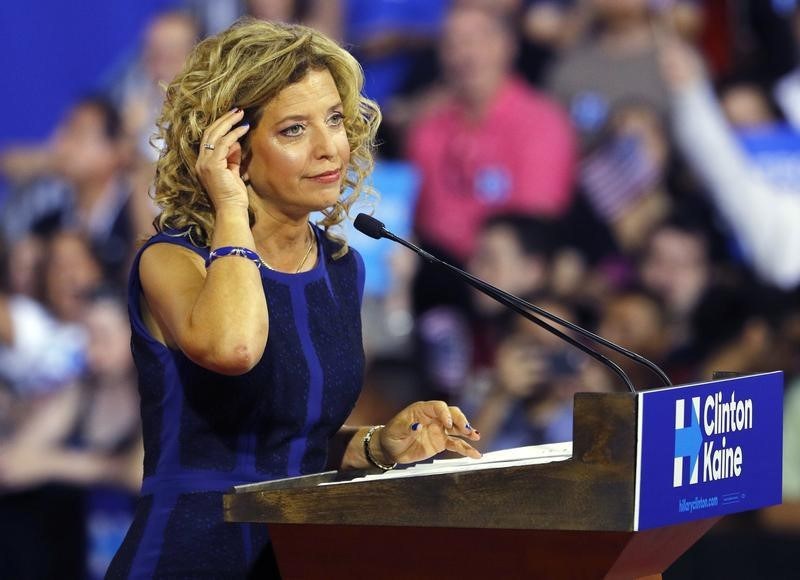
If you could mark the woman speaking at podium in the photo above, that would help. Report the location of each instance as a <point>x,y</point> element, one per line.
<point>246,317</point>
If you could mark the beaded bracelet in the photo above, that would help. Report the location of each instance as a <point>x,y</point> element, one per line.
<point>234,251</point>
<point>368,452</point>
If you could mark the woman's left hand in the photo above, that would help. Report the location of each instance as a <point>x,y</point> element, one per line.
<point>424,429</point>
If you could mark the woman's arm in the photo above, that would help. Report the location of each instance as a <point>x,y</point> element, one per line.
<point>35,454</point>
<point>23,467</point>
<point>49,421</point>
<point>217,315</point>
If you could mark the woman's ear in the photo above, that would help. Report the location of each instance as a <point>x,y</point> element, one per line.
<point>243,169</point>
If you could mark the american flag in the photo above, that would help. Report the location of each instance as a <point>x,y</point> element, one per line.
<point>616,175</point>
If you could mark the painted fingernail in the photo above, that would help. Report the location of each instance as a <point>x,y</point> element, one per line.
<point>235,109</point>
<point>476,432</point>
<point>414,426</point>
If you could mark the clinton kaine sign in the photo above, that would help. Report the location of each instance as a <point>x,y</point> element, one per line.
<point>709,449</point>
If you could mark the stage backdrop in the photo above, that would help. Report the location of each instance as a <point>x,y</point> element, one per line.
<point>55,51</point>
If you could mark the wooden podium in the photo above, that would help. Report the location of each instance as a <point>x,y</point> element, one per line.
<point>573,518</point>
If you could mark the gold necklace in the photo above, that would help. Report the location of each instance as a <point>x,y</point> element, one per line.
<point>311,240</point>
<point>308,250</point>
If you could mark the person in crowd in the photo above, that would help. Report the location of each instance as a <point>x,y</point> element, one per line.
<point>615,61</point>
<point>784,344</point>
<point>139,95</point>
<point>763,36</point>
<point>458,347</point>
<point>635,319</point>
<point>513,253</point>
<point>86,437</point>
<point>534,377</point>
<point>43,354</point>
<point>78,182</point>
<point>168,38</point>
<point>771,143</point>
<point>677,267</point>
<point>545,27</point>
<point>747,106</point>
<point>25,328</point>
<point>43,342</point>
<point>492,144</point>
<point>71,271</point>
<point>624,178</point>
<point>276,10</point>
<point>23,264</point>
<point>560,24</point>
<point>388,36</point>
<point>216,15</point>
<point>533,29</point>
<point>245,316</point>
<point>786,516</point>
<point>734,329</point>
<point>762,214</point>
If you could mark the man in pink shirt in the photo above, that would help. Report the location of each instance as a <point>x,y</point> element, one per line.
<point>493,144</point>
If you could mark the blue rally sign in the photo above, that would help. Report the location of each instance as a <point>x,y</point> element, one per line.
<point>709,449</point>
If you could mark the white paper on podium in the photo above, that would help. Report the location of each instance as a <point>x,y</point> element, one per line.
<point>514,457</point>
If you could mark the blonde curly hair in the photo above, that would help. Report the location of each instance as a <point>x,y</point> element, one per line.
<point>246,66</point>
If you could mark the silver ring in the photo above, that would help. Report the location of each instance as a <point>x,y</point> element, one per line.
<point>208,146</point>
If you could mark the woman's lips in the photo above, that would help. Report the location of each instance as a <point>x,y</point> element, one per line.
<point>327,177</point>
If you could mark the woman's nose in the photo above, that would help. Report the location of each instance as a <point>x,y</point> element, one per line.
<point>324,144</point>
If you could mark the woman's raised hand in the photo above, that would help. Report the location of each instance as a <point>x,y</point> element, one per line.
<point>424,429</point>
<point>219,160</point>
<point>681,66</point>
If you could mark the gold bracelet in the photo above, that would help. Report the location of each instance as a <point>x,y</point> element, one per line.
<point>368,452</point>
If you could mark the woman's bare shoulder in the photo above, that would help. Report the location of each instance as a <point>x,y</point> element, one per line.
<point>166,268</point>
<point>167,259</point>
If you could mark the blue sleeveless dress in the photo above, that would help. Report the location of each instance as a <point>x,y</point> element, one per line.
<point>205,432</point>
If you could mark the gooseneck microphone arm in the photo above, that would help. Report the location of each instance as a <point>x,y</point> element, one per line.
<point>375,229</point>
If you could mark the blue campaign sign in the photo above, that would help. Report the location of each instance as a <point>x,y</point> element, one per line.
<point>396,183</point>
<point>709,449</point>
<point>775,150</point>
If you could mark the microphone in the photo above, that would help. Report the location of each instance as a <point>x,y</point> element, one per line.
<point>373,228</point>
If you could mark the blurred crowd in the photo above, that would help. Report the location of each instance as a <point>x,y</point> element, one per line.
<point>630,165</point>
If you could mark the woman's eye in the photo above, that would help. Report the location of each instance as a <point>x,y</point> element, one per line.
<point>336,119</point>
<point>293,131</point>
